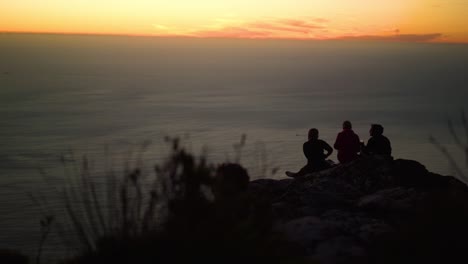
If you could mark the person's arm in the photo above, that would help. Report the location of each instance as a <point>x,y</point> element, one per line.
<point>327,148</point>
<point>369,148</point>
<point>357,144</point>
<point>389,146</point>
<point>362,147</point>
<point>305,150</point>
<point>338,140</point>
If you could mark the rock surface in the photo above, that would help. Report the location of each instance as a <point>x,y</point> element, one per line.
<point>372,210</point>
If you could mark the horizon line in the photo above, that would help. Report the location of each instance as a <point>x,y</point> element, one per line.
<point>363,38</point>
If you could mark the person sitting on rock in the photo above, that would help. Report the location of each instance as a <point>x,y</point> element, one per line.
<point>378,144</point>
<point>347,143</point>
<point>314,150</point>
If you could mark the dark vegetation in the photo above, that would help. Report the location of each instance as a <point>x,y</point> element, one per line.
<point>186,210</point>
<point>460,143</point>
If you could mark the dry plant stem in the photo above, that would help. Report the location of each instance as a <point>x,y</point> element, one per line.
<point>449,157</point>
<point>463,146</point>
<point>465,126</point>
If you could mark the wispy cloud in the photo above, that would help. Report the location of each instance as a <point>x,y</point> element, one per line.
<point>306,24</point>
<point>160,27</point>
<point>311,28</point>
<point>267,28</point>
<point>232,32</point>
<point>397,37</point>
<point>277,27</point>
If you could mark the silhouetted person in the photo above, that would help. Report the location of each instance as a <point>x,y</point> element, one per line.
<point>378,144</point>
<point>347,143</point>
<point>314,150</point>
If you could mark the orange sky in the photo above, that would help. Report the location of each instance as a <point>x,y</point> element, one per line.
<point>409,20</point>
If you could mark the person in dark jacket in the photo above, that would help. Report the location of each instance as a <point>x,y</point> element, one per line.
<point>378,144</point>
<point>347,143</point>
<point>314,150</point>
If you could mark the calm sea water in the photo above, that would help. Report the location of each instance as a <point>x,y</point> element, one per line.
<point>90,94</point>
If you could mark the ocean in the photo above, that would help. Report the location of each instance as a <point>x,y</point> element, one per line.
<point>106,96</point>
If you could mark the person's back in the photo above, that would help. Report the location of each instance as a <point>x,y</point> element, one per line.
<point>347,143</point>
<point>314,150</point>
<point>378,144</point>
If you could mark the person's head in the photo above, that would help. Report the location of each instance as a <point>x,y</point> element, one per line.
<point>376,130</point>
<point>347,125</point>
<point>313,134</point>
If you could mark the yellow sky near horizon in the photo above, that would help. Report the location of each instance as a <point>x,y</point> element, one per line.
<point>412,20</point>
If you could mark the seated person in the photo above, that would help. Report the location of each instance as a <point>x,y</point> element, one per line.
<point>314,151</point>
<point>347,143</point>
<point>378,144</point>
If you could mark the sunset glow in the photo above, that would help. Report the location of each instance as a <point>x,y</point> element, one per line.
<point>409,20</point>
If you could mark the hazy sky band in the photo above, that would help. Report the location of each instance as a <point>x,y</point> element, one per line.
<point>408,20</point>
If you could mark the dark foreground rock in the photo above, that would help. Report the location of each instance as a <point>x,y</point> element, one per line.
<point>372,210</point>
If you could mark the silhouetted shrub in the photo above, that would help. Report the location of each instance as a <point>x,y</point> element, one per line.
<point>190,210</point>
<point>459,142</point>
<point>230,180</point>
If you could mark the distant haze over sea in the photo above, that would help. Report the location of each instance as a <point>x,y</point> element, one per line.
<point>89,93</point>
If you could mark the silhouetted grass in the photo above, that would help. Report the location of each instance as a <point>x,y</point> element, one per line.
<point>46,225</point>
<point>187,209</point>
<point>459,142</point>
<point>263,166</point>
